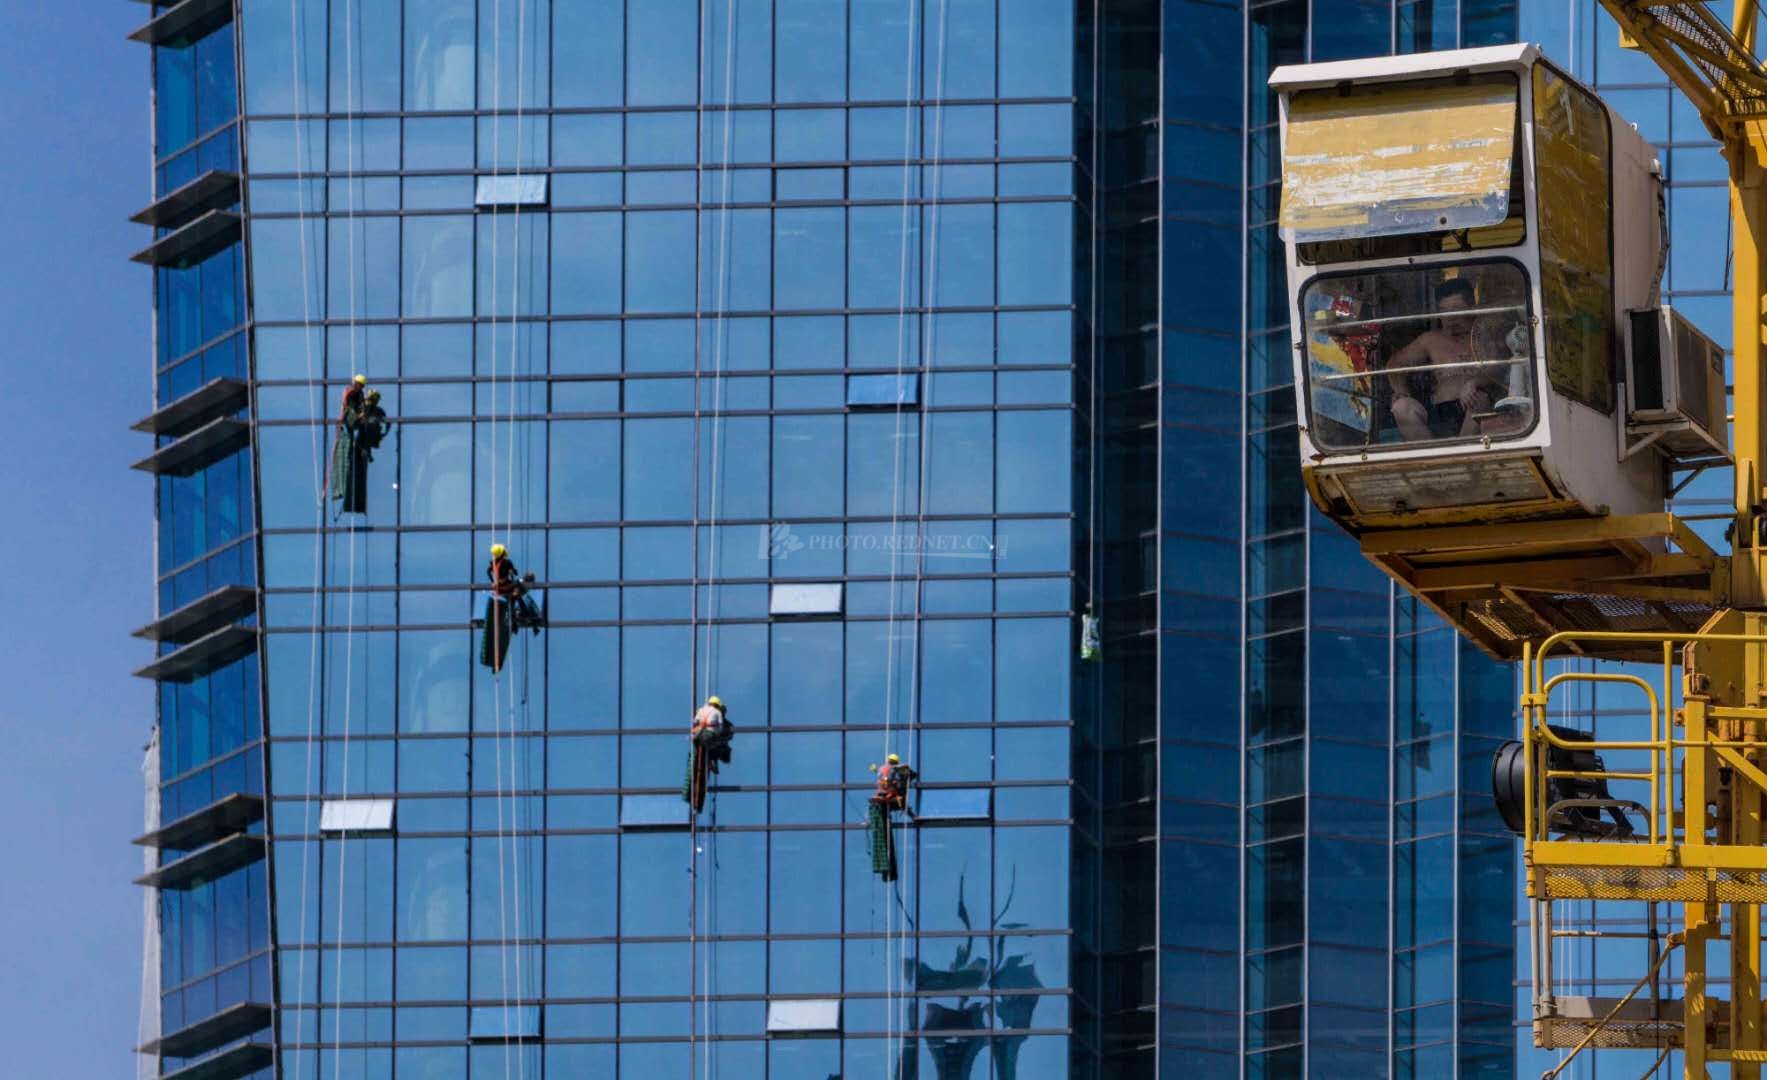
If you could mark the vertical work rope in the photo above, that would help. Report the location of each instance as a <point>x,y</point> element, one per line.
<point>909,167</point>
<point>515,745</point>
<point>350,223</point>
<point>503,622</point>
<point>315,675</point>
<point>714,500</point>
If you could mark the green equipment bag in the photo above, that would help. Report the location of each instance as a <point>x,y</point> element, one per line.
<point>883,843</point>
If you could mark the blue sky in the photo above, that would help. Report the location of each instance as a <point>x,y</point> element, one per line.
<point>75,345</point>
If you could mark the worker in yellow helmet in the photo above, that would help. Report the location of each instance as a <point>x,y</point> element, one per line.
<point>509,609</point>
<point>347,475</point>
<point>712,729</point>
<point>893,779</point>
<point>708,743</point>
<point>891,795</point>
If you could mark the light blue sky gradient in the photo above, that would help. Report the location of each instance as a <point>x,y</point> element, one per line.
<point>74,342</point>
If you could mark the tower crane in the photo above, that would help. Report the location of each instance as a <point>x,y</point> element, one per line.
<point>1494,401</point>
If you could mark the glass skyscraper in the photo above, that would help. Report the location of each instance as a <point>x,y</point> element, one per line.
<point>834,357</point>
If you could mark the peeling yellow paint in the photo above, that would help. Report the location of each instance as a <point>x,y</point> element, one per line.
<point>1398,158</point>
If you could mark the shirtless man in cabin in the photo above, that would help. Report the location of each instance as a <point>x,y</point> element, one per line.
<point>1460,393</point>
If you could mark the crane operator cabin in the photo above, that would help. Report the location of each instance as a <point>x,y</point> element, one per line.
<point>1475,248</point>
<point>1475,245</point>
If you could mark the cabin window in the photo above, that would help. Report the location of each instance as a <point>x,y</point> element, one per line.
<point>1572,152</point>
<point>1410,168</point>
<point>1409,356</point>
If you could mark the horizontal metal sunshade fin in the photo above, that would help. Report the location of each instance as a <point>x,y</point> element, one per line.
<point>203,655</point>
<point>223,817</point>
<point>204,446</point>
<point>213,190</point>
<point>194,242</point>
<point>201,616</point>
<point>211,1031</point>
<point>206,864</point>
<point>216,398</point>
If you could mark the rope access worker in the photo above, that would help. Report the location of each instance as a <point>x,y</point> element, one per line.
<point>511,587</point>
<point>712,729</point>
<point>508,609</point>
<point>360,430</point>
<point>352,403</point>
<point>708,743</point>
<point>891,795</point>
<point>893,779</point>
<point>372,424</point>
<point>349,479</point>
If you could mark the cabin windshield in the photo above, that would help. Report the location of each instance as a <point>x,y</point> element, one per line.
<point>1409,356</point>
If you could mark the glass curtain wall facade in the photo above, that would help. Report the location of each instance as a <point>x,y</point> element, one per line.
<point>1371,936</point>
<point>212,915</point>
<point>688,300</point>
<point>1586,40</point>
<point>684,302</point>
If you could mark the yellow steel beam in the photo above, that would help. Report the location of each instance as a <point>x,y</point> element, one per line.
<point>1577,574</point>
<point>1744,766</point>
<point>1512,536</point>
<point>1748,200</point>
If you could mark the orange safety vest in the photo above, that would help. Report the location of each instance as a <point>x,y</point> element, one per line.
<point>887,780</point>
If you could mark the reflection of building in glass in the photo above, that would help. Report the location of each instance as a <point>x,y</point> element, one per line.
<point>981,979</point>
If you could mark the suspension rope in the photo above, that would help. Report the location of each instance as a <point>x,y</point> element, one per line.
<point>500,627</point>
<point>909,169</point>
<point>350,225</point>
<point>316,386</point>
<point>515,745</point>
<point>714,500</point>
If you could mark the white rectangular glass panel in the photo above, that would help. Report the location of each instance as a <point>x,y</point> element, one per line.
<point>883,390</point>
<point>653,811</point>
<point>815,1017</point>
<point>953,804</point>
<point>1398,158</point>
<point>806,600</point>
<point>356,815</point>
<point>511,191</point>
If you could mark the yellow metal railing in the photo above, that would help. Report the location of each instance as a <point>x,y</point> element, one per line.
<point>1537,691</point>
<point>1659,746</point>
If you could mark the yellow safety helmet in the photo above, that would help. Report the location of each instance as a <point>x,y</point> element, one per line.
<point>715,701</point>
<point>498,551</point>
<point>894,760</point>
<point>373,395</point>
<point>360,380</point>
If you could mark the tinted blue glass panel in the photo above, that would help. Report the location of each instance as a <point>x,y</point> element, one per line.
<point>953,804</point>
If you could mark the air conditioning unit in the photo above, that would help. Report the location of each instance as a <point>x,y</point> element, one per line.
<point>1675,387</point>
